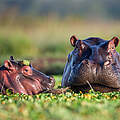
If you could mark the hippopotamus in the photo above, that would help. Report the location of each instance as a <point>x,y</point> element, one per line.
<point>93,64</point>
<point>22,78</point>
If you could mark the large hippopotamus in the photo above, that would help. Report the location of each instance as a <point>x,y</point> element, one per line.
<point>93,64</point>
<point>21,77</point>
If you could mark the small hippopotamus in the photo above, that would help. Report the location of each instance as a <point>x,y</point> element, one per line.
<point>21,77</point>
<point>93,64</point>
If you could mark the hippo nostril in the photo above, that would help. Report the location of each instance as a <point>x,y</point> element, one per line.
<point>49,84</point>
<point>52,81</point>
<point>85,61</point>
<point>51,78</point>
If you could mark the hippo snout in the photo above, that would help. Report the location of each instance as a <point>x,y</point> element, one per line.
<point>48,84</point>
<point>52,82</point>
<point>92,66</point>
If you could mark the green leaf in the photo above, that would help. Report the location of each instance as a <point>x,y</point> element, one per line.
<point>26,62</point>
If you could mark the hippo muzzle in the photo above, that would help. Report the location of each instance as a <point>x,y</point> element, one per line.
<point>93,63</point>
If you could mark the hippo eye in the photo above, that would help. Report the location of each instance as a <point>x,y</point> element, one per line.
<point>83,46</point>
<point>108,50</point>
<point>26,70</point>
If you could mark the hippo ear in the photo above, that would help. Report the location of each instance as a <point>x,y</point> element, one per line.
<point>11,58</point>
<point>73,40</point>
<point>8,65</point>
<point>114,41</point>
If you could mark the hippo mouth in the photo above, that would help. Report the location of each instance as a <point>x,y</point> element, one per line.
<point>94,87</point>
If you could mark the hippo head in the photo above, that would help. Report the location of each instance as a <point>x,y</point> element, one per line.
<point>21,77</point>
<point>94,63</point>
